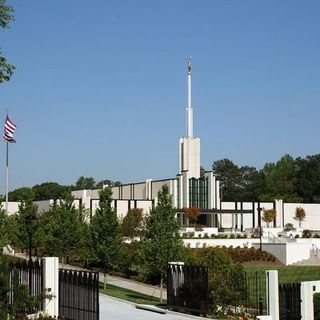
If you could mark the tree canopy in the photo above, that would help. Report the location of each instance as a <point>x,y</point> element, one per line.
<point>162,242</point>
<point>6,16</point>
<point>288,179</point>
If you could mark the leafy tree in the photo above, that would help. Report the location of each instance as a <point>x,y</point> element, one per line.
<point>64,232</point>
<point>49,190</point>
<point>3,231</point>
<point>20,194</point>
<point>229,175</point>
<point>162,242</point>
<point>132,224</point>
<point>193,214</point>
<point>300,215</point>
<point>225,277</point>
<point>27,224</point>
<point>6,15</point>
<point>85,183</point>
<point>280,180</point>
<point>107,248</point>
<point>308,178</point>
<point>269,215</point>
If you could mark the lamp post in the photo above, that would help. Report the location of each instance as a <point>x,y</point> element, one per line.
<point>259,225</point>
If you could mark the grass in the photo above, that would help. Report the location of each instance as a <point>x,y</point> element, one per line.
<point>129,295</point>
<point>287,274</point>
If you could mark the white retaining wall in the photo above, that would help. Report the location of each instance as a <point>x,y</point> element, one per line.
<point>288,253</point>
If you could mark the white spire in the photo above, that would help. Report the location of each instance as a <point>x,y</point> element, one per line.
<point>189,111</point>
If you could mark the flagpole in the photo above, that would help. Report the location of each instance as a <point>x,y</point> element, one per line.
<point>7,169</point>
<point>7,174</point>
<point>9,128</point>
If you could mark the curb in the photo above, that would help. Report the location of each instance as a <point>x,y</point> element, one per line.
<point>151,308</point>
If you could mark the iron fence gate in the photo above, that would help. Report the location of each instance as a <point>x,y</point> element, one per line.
<point>290,301</point>
<point>30,274</point>
<point>187,288</point>
<point>78,294</point>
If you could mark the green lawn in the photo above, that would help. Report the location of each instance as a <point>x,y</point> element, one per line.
<point>287,274</point>
<point>129,295</point>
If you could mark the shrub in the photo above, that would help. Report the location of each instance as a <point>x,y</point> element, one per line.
<point>288,227</point>
<point>306,234</point>
<point>198,227</point>
<point>297,236</point>
<point>206,236</point>
<point>316,235</point>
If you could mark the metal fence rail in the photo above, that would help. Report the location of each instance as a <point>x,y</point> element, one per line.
<point>187,288</point>
<point>78,294</point>
<point>28,273</point>
<point>290,301</point>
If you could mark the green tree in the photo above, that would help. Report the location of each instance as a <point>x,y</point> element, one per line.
<point>49,190</point>
<point>85,183</point>
<point>27,224</point>
<point>132,223</point>
<point>20,194</point>
<point>308,178</point>
<point>107,248</point>
<point>225,276</point>
<point>6,15</point>
<point>162,242</point>
<point>64,232</point>
<point>229,175</point>
<point>280,180</point>
<point>3,229</point>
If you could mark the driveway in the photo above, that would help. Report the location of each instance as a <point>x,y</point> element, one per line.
<point>114,309</point>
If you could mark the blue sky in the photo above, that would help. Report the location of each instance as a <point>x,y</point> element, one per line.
<point>100,86</point>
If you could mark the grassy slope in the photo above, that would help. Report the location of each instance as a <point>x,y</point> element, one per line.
<point>128,295</point>
<point>287,274</point>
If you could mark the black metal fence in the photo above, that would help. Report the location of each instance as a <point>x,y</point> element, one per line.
<point>187,288</point>
<point>240,294</point>
<point>78,294</point>
<point>30,274</point>
<point>290,301</point>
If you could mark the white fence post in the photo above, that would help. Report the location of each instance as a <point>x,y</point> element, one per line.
<point>51,285</point>
<point>272,288</point>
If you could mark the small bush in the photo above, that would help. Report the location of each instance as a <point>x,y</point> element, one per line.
<point>306,234</point>
<point>316,235</point>
<point>297,236</point>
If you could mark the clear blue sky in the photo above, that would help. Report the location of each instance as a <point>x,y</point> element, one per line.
<point>100,86</point>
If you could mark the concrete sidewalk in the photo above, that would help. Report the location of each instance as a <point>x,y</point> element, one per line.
<point>153,291</point>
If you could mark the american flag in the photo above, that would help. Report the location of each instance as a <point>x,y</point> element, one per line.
<point>9,128</point>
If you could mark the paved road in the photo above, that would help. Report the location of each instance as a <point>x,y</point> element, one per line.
<point>114,309</point>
